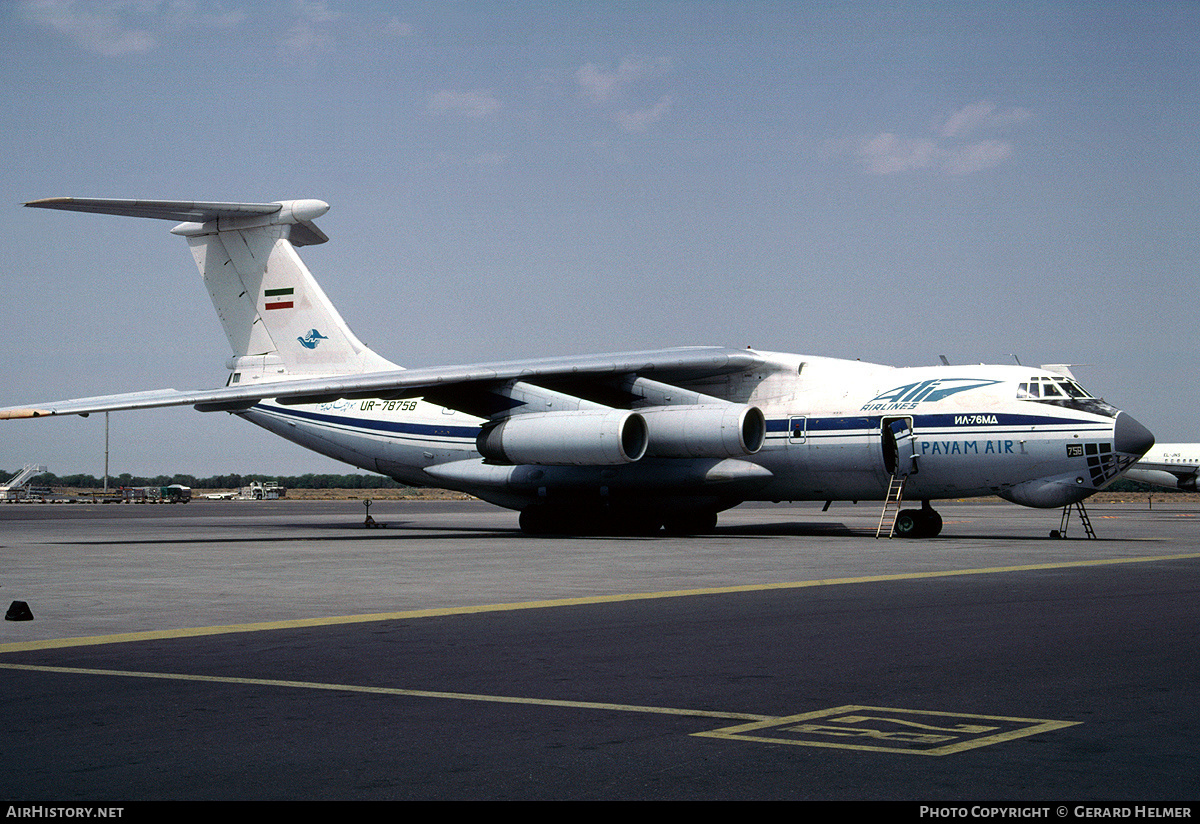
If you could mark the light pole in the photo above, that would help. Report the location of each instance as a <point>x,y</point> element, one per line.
<point>105,451</point>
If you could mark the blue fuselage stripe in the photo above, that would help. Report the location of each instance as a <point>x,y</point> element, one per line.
<point>949,421</point>
<point>376,426</point>
<point>941,424</point>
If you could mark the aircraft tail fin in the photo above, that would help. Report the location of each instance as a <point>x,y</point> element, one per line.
<point>279,322</point>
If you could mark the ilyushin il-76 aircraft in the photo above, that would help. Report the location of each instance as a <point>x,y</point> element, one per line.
<point>632,442</point>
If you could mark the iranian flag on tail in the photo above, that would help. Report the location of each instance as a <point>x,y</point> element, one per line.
<point>278,298</point>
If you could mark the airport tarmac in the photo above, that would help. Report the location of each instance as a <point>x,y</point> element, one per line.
<point>280,650</point>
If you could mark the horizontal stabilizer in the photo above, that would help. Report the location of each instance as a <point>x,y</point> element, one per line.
<point>1063,369</point>
<point>299,213</point>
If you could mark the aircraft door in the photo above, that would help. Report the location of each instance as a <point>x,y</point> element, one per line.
<point>899,446</point>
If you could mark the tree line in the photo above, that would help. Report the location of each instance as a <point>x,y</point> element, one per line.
<point>232,481</point>
<point>312,481</point>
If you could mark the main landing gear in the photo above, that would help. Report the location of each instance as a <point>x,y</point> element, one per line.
<point>541,519</point>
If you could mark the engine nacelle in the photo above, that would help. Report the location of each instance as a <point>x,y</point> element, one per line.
<point>727,430</point>
<point>604,437</point>
<point>1160,477</point>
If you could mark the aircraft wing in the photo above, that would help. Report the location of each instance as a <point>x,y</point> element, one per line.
<point>445,385</point>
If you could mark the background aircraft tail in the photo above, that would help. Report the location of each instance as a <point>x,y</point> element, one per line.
<point>279,322</point>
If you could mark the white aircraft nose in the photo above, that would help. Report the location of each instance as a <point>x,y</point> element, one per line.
<point>1130,437</point>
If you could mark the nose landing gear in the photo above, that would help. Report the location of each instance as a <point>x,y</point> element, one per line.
<point>918,523</point>
<point>1061,532</point>
<point>907,523</point>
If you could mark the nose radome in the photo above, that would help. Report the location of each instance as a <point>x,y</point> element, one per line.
<point>1130,437</point>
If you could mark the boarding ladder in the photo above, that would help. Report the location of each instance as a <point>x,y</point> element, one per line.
<point>891,503</point>
<point>1061,532</point>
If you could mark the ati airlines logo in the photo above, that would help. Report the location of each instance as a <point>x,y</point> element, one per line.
<point>930,391</point>
<point>311,340</point>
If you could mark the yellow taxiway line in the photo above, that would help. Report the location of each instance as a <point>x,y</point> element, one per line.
<point>301,623</point>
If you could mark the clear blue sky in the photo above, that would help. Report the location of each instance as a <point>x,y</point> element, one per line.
<point>885,181</point>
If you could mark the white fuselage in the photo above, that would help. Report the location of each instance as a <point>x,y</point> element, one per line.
<point>835,430</point>
<point>1171,465</point>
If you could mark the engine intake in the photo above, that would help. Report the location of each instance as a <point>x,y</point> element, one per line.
<point>605,437</point>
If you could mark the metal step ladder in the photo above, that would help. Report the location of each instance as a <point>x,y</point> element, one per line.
<point>11,490</point>
<point>1061,532</point>
<point>891,503</point>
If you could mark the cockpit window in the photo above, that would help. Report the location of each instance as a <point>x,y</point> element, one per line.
<point>1048,387</point>
<point>1062,391</point>
<point>1073,389</point>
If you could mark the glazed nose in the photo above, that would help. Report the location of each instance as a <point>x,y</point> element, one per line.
<point>1130,437</point>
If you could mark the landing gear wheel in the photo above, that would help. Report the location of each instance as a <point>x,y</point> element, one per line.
<point>641,525</point>
<point>627,524</point>
<point>533,521</point>
<point>908,523</point>
<point>918,523</point>
<point>542,520</point>
<point>691,523</point>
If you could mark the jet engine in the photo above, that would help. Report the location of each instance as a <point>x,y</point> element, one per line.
<point>727,430</point>
<point>604,437</point>
<point>1160,477</point>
